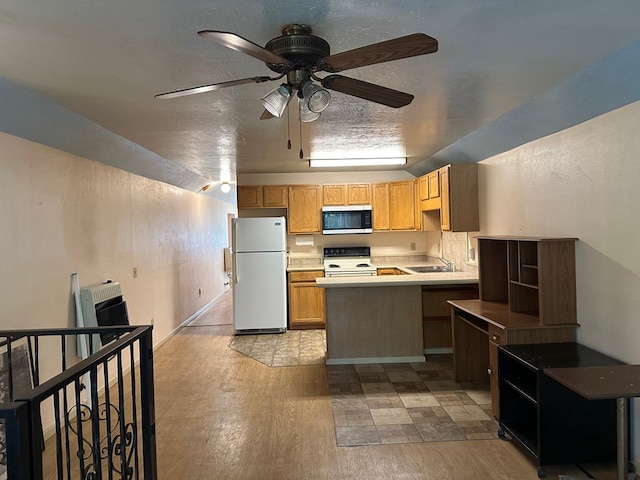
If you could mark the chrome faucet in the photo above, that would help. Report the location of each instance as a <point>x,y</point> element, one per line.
<point>451,267</point>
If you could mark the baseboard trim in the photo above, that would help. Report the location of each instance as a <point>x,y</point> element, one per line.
<point>438,351</point>
<point>355,361</point>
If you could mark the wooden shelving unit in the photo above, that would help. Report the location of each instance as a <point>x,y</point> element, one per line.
<point>533,275</point>
<point>527,295</point>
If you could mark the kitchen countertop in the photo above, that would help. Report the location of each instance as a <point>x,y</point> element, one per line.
<point>432,278</point>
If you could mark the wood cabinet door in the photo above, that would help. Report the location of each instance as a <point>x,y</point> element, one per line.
<point>445,206</point>
<point>250,196</point>
<point>380,206</point>
<point>359,194</point>
<point>306,305</point>
<point>275,196</point>
<point>423,187</point>
<point>434,184</point>
<point>304,208</point>
<point>334,195</point>
<point>402,206</point>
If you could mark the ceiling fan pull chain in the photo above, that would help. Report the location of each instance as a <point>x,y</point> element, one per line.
<point>288,129</point>
<point>301,152</point>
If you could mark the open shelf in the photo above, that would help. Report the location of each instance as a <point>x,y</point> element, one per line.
<point>533,275</point>
<point>527,391</point>
<point>527,285</point>
<point>524,432</point>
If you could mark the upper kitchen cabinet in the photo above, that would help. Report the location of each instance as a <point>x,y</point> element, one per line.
<point>346,194</point>
<point>275,196</point>
<point>262,196</point>
<point>429,191</point>
<point>305,204</point>
<point>403,211</point>
<point>395,206</point>
<point>380,206</point>
<point>250,196</point>
<point>456,209</point>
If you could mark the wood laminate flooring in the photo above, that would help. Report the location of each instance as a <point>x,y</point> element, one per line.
<point>222,415</point>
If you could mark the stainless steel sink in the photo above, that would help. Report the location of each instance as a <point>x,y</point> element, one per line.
<point>429,269</point>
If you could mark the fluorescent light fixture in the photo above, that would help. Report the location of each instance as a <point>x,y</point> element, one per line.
<point>225,187</point>
<point>355,162</point>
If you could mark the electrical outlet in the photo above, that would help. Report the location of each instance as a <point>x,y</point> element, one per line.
<point>413,246</point>
<point>135,272</point>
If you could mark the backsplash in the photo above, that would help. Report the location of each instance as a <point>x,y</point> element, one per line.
<point>387,248</point>
<point>454,248</point>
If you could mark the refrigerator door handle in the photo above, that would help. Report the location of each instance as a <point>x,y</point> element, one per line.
<point>234,273</point>
<point>234,241</point>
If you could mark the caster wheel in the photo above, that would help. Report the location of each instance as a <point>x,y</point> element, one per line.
<point>541,472</point>
<point>501,434</point>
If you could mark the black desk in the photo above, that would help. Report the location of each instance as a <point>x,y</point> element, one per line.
<point>553,423</point>
<point>619,382</point>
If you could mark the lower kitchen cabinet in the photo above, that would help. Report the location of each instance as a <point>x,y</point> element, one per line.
<point>552,423</point>
<point>306,300</point>
<point>389,271</point>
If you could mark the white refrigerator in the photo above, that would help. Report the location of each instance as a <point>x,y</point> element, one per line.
<point>259,253</point>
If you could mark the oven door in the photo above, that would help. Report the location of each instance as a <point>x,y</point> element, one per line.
<point>349,273</point>
<point>347,219</point>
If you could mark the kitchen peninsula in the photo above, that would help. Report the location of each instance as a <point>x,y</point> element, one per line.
<point>378,319</point>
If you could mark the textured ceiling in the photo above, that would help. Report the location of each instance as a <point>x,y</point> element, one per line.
<point>105,60</point>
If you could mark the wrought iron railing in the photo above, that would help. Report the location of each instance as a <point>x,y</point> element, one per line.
<point>94,419</point>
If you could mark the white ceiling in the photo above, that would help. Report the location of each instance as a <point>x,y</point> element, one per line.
<point>104,60</point>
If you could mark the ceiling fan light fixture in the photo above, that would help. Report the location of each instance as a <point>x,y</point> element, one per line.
<point>305,114</point>
<point>355,162</point>
<point>316,97</point>
<point>225,187</point>
<point>275,102</point>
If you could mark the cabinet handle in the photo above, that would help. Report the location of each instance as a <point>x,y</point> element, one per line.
<point>495,336</point>
<point>489,372</point>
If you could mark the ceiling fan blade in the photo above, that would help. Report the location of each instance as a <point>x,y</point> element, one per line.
<point>367,91</point>
<point>395,49</point>
<point>266,115</point>
<point>236,42</point>
<point>214,86</point>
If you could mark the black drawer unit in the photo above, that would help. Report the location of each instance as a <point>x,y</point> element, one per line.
<point>553,424</point>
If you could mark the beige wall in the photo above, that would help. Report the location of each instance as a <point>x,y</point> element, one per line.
<point>581,182</point>
<point>63,214</point>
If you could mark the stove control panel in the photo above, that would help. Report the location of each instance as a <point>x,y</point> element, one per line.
<point>333,252</point>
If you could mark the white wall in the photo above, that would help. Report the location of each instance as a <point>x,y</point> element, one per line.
<point>581,182</point>
<point>63,214</point>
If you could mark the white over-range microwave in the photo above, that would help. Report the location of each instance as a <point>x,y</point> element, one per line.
<point>347,219</point>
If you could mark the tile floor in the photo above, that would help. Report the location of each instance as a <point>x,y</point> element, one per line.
<point>408,403</point>
<point>385,403</point>
<point>294,347</point>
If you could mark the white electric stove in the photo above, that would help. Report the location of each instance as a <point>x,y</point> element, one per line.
<point>348,262</point>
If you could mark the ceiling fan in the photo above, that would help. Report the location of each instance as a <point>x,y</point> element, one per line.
<point>300,56</point>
